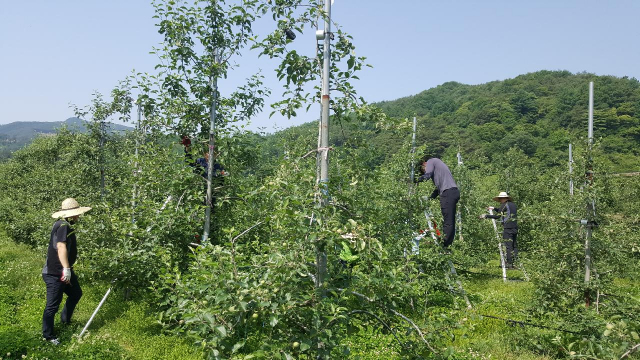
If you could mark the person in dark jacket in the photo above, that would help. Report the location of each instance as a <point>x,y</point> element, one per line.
<point>449,194</point>
<point>201,167</point>
<point>57,272</point>
<point>507,213</point>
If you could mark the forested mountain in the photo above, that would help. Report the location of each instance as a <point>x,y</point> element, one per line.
<point>15,135</point>
<point>539,113</point>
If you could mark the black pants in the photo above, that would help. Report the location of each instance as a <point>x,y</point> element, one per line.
<point>448,201</point>
<point>55,289</point>
<point>510,235</point>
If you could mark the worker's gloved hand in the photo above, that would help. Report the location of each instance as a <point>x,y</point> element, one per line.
<point>490,208</point>
<point>483,216</point>
<point>66,275</point>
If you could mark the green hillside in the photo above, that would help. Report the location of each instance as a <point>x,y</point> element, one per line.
<point>16,135</point>
<point>539,113</point>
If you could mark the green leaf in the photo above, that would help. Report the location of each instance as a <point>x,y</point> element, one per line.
<point>221,330</point>
<point>273,321</point>
<point>305,345</point>
<point>237,346</point>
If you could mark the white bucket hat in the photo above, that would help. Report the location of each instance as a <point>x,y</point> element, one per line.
<point>69,208</point>
<point>502,195</point>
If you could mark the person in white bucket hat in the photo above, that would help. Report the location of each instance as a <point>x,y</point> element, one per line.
<point>507,214</point>
<point>57,272</point>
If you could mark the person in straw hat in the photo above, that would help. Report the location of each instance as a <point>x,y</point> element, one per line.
<point>58,272</point>
<point>507,214</point>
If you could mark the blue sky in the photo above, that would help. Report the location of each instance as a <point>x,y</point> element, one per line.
<point>53,53</point>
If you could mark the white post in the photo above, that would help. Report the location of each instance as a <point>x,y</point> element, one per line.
<point>324,120</point>
<point>502,262</point>
<point>135,166</point>
<point>458,214</point>
<point>212,143</point>
<point>590,132</point>
<point>95,312</point>
<point>570,170</point>
<point>590,205</point>
<point>323,150</point>
<point>413,151</point>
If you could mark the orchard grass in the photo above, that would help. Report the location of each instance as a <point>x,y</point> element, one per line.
<point>121,330</point>
<point>478,337</point>
<point>128,330</point>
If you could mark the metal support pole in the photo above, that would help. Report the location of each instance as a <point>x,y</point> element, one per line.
<point>323,165</point>
<point>94,313</point>
<point>458,214</point>
<point>502,262</point>
<point>416,240</point>
<point>570,170</point>
<point>212,143</point>
<point>324,120</point>
<point>323,150</point>
<point>590,205</point>
<point>102,141</point>
<point>413,152</point>
<point>590,132</point>
<point>135,166</point>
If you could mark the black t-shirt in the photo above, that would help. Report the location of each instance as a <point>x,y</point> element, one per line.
<point>61,232</point>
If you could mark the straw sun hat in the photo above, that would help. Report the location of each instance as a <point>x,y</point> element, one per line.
<point>502,195</point>
<point>70,208</point>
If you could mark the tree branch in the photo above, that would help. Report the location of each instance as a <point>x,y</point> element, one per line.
<point>632,350</point>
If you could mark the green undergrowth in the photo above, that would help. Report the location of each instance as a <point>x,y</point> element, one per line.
<point>491,338</point>
<point>478,336</point>
<point>121,329</point>
<point>128,329</point>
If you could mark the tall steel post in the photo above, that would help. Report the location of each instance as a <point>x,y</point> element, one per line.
<point>413,152</point>
<point>590,204</point>
<point>570,170</point>
<point>323,150</point>
<point>590,114</point>
<point>135,165</point>
<point>458,213</point>
<point>323,162</point>
<point>212,143</point>
<point>324,120</point>
<point>102,160</point>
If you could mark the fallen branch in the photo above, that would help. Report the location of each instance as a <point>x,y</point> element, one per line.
<point>380,321</point>
<point>400,315</point>
<point>631,351</point>
<point>415,327</point>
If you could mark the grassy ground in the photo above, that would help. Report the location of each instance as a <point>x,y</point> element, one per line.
<point>479,337</point>
<point>121,330</point>
<point>127,329</point>
<point>489,338</point>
